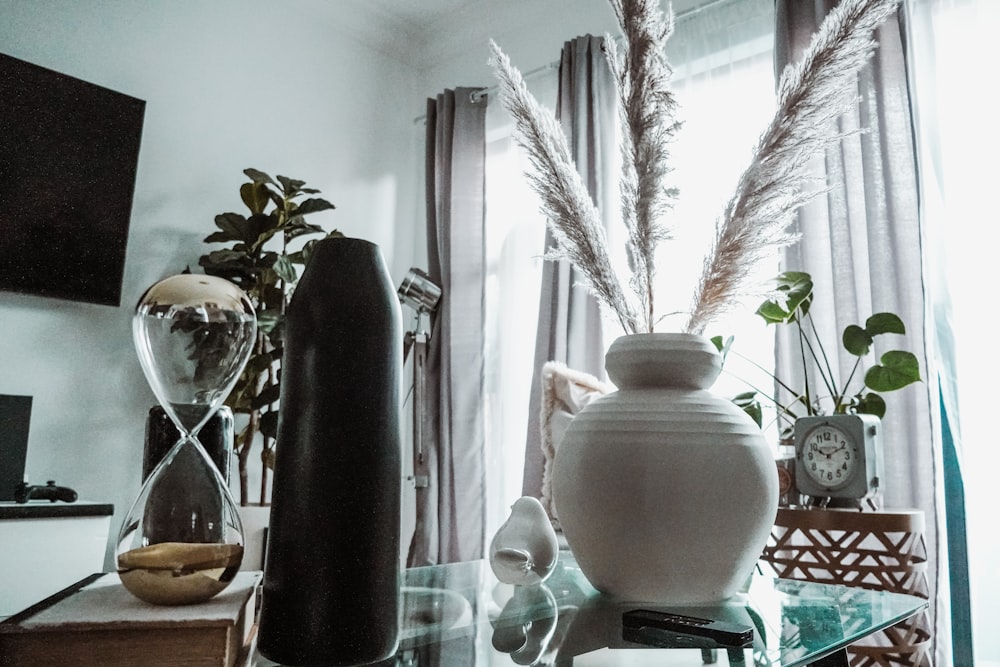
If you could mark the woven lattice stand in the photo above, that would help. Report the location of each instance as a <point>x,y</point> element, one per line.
<point>875,550</point>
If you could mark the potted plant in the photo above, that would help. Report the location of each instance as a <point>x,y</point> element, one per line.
<point>820,392</point>
<point>260,259</point>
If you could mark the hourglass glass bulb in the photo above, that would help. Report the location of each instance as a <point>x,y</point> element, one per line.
<point>193,334</point>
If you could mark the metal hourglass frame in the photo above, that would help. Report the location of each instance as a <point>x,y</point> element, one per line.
<point>182,540</point>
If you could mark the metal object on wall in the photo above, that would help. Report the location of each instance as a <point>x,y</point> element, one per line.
<point>421,294</point>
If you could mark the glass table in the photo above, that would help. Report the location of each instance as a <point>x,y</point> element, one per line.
<point>459,615</point>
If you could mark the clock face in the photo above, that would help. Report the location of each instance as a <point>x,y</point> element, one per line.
<point>829,456</point>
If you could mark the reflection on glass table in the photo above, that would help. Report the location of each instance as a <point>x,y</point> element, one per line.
<point>459,615</point>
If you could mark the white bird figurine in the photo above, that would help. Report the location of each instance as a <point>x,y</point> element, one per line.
<point>525,549</point>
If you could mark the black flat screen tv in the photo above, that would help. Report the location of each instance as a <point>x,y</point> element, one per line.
<point>69,151</point>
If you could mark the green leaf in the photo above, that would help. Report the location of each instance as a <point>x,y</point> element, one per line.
<point>285,269</point>
<point>269,423</point>
<point>898,368</point>
<point>255,196</point>
<point>302,257</point>
<point>301,228</point>
<point>225,256</point>
<point>279,203</point>
<point>259,363</point>
<point>881,323</point>
<point>265,262</point>
<point>723,346</point>
<point>260,228</point>
<point>313,205</point>
<point>272,296</point>
<point>232,227</point>
<point>267,396</point>
<point>870,404</point>
<point>258,176</point>
<point>290,186</point>
<point>233,265</point>
<point>795,295</point>
<point>749,403</point>
<point>857,341</point>
<point>269,319</point>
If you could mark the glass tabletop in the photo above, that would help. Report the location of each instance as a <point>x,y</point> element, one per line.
<point>460,615</point>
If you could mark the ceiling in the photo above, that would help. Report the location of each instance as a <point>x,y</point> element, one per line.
<point>420,15</point>
<point>397,27</point>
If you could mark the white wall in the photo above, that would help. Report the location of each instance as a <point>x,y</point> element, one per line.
<point>531,32</point>
<point>284,87</point>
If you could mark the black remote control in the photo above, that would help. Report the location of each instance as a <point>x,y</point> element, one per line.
<point>663,628</point>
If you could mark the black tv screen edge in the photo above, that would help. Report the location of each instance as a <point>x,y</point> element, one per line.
<point>69,152</point>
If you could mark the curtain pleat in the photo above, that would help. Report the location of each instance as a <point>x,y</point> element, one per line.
<point>569,318</point>
<point>862,245</point>
<point>450,509</point>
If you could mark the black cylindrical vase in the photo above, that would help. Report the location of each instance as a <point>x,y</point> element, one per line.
<point>331,580</point>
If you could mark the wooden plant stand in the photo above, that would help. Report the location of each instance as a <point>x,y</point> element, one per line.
<point>875,550</point>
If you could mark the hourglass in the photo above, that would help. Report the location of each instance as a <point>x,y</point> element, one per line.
<point>182,541</point>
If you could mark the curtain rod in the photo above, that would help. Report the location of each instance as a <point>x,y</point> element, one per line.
<point>679,16</point>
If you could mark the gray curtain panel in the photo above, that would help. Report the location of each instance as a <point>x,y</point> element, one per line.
<point>450,510</point>
<point>862,245</point>
<point>569,318</point>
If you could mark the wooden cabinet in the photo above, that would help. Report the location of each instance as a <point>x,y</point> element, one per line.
<point>48,546</point>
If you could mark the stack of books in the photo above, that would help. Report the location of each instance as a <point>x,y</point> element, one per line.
<point>96,622</point>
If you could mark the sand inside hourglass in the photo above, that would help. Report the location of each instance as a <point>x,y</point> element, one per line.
<point>179,572</point>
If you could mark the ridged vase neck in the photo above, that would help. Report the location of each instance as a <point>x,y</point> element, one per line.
<point>663,360</point>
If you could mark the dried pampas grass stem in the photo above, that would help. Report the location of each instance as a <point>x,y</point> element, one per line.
<point>573,219</point>
<point>811,95</point>
<point>646,107</point>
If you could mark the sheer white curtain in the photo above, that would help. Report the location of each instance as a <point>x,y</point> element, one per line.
<point>724,80</point>
<point>954,49</point>
<point>515,237</point>
<point>861,242</point>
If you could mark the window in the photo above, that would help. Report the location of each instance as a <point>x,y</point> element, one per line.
<point>956,106</point>
<point>724,81</point>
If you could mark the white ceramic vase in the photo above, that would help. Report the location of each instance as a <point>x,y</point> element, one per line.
<point>666,492</point>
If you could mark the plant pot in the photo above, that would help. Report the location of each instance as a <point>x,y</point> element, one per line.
<point>666,492</point>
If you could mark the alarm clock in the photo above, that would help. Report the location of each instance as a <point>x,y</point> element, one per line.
<point>838,456</point>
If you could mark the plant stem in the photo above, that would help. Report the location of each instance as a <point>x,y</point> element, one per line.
<point>782,411</point>
<point>828,376</point>
<point>803,343</point>
<point>250,433</point>
<point>263,472</point>
<point>764,370</point>
<point>840,399</point>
